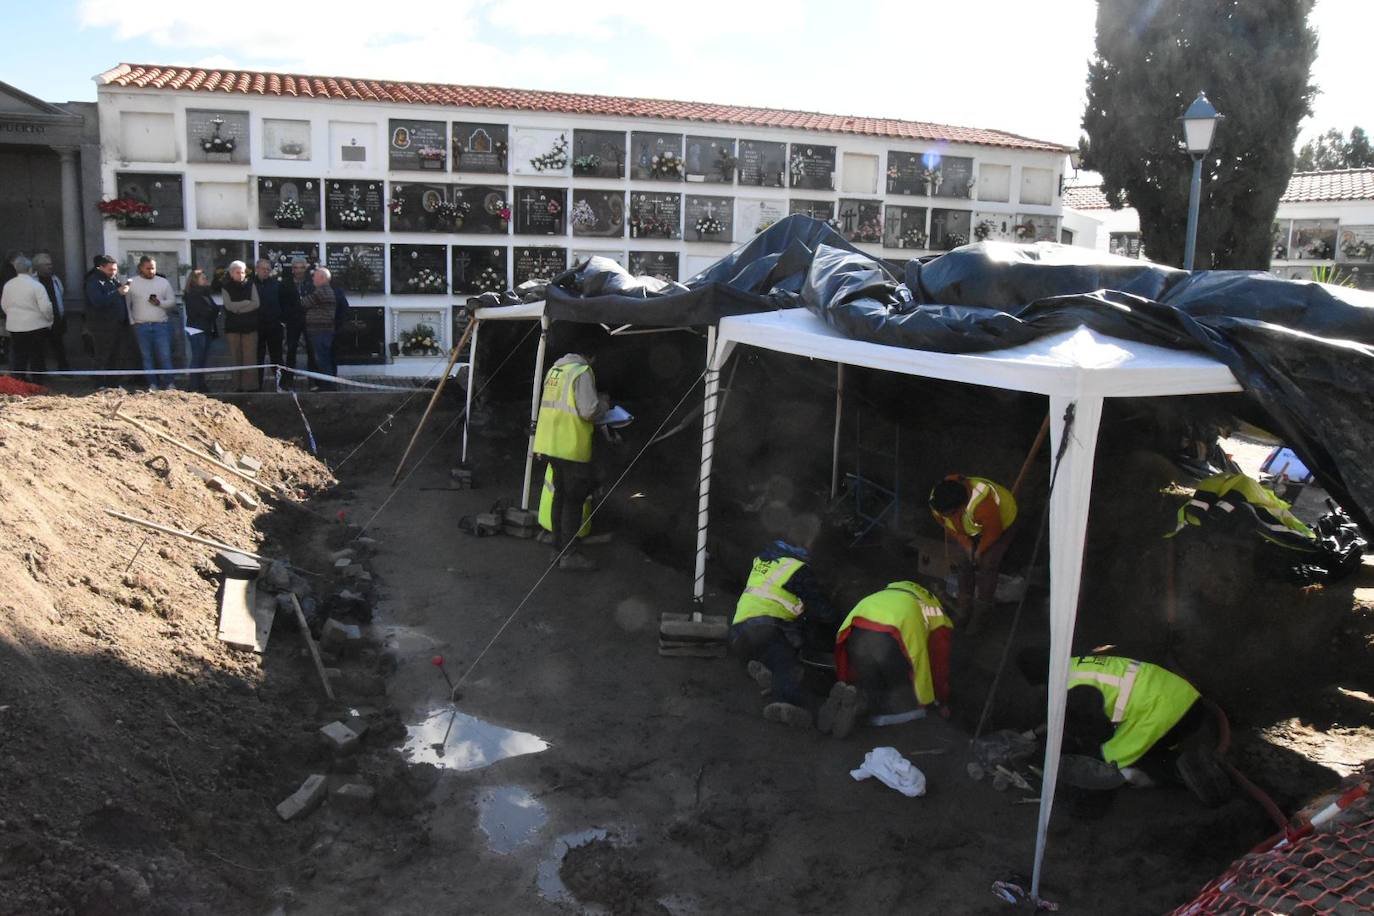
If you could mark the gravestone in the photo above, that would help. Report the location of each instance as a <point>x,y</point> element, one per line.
<point>656,156</point>
<point>755,214</point>
<point>599,214</point>
<point>288,203</point>
<point>861,220</point>
<point>762,163</point>
<point>823,210</point>
<point>811,166</point>
<point>217,136</point>
<point>538,264</point>
<point>419,270</point>
<point>488,211</point>
<point>282,254</point>
<point>480,147</point>
<point>905,227</point>
<point>354,206</point>
<point>480,269</point>
<point>359,267</point>
<point>162,191</point>
<point>655,215</point>
<point>950,229</point>
<point>361,338</point>
<point>598,153</point>
<point>709,219</point>
<point>417,145</point>
<point>660,264</point>
<point>215,255</point>
<point>415,206</point>
<point>541,151</point>
<point>540,211</point>
<point>710,160</point>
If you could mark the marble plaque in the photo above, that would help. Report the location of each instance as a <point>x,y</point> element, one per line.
<point>578,255</point>
<point>993,227</point>
<point>488,211</point>
<point>655,156</point>
<point>354,206</point>
<point>480,269</point>
<point>762,163</point>
<point>1314,239</point>
<point>162,192</point>
<point>419,270</point>
<point>709,219</point>
<point>168,263</point>
<point>539,264</point>
<point>284,138</point>
<point>905,173</point>
<point>904,227</point>
<point>482,148</point>
<point>861,220</point>
<point>1356,243</point>
<point>540,211</point>
<point>359,267</point>
<point>541,151</point>
<point>418,332</point>
<point>217,136</point>
<point>950,229</point>
<point>598,214</point>
<point>655,216</point>
<point>660,264</point>
<point>811,166</point>
<point>288,203</point>
<point>215,255</point>
<point>955,177</point>
<point>598,153</point>
<point>361,339</point>
<point>417,145</point>
<point>1028,228</point>
<point>416,206</point>
<point>823,210</point>
<point>754,214</point>
<point>710,160</point>
<point>281,254</point>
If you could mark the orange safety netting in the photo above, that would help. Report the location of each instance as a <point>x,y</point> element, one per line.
<point>1330,871</point>
<point>11,385</point>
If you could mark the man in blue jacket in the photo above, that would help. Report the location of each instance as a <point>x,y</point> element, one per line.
<point>106,322</point>
<point>276,300</point>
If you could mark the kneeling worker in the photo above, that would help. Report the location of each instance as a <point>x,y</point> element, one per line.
<point>568,410</point>
<point>782,609</point>
<point>980,514</point>
<point>1143,720</point>
<point>891,660</point>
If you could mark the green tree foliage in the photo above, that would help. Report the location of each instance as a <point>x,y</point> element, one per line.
<point>1333,150</point>
<point>1253,59</point>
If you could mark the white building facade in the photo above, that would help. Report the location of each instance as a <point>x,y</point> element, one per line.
<point>420,195</point>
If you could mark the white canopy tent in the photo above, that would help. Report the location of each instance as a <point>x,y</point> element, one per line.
<point>1077,369</point>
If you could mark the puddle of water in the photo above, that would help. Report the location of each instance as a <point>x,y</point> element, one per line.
<point>457,741</point>
<point>547,879</point>
<point>510,817</point>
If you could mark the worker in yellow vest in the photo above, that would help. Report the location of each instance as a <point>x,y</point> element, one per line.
<point>546,494</point>
<point>891,660</point>
<point>980,515</point>
<point>1144,720</point>
<point>1272,518</point>
<point>568,410</point>
<point>781,610</point>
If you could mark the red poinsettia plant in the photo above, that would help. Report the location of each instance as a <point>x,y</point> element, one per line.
<point>124,208</point>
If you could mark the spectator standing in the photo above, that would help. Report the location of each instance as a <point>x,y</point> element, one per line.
<point>202,321</point>
<point>7,273</point>
<point>106,321</point>
<point>57,334</point>
<point>274,300</point>
<point>294,316</point>
<point>321,307</point>
<point>28,316</point>
<point>241,306</point>
<point>151,298</point>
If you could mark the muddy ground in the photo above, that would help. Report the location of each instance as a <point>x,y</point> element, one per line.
<point>580,771</point>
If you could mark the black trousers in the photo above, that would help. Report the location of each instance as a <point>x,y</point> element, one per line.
<point>295,332</point>
<point>27,354</point>
<point>881,672</point>
<point>573,482</point>
<point>57,342</point>
<point>270,340</point>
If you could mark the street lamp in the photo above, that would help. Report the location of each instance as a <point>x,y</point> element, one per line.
<point>1199,127</point>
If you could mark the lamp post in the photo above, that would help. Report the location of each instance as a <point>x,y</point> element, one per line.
<point>1199,127</point>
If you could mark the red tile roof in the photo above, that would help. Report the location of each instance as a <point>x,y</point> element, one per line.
<point>1085,197</point>
<point>1346,184</point>
<point>195,79</point>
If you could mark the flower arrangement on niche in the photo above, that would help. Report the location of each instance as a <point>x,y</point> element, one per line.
<point>709,225</point>
<point>912,238</point>
<point>554,207</point>
<point>215,143</point>
<point>127,212</point>
<point>489,281</point>
<point>586,165</point>
<point>582,215</point>
<point>452,212</point>
<point>797,166</point>
<point>869,229</point>
<point>422,340</point>
<point>555,160</point>
<point>425,280</point>
<point>983,231</point>
<point>1280,251</point>
<point>291,147</point>
<point>651,227</point>
<point>1357,248</point>
<point>289,214</point>
<point>395,204</point>
<point>430,154</point>
<point>932,179</point>
<point>666,164</point>
<point>954,240</point>
<point>725,165</point>
<point>1025,232</point>
<point>1318,248</point>
<point>357,277</point>
<point>354,217</point>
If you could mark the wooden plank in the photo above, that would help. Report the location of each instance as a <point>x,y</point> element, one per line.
<point>310,644</point>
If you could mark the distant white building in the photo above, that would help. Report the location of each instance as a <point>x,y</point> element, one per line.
<point>1324,219</point>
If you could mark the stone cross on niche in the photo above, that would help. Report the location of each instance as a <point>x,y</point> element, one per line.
<point>461,262</point>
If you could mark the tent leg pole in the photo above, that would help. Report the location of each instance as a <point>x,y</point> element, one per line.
<point>1068,527</point>
<point>835,447</point>
<point>535,392</point>
<point>472,379</point>
<point>708,451</point>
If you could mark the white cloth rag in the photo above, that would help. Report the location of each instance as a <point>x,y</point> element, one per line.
<point>893,770</point>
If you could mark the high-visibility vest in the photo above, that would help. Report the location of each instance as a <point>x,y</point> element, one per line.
<point>560,431</point>
<point>909,614</point>
<point>1278,522</point>
<point>546,507</point>
<point>1143,701</point>
<point>766,594</point>
<point>980,489</point>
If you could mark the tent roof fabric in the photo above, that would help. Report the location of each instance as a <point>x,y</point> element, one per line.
<point>1070,363</point>
<point>249,82</point>
<point>525,310</point>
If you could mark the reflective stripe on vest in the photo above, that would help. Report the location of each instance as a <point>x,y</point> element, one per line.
<point>560,432</point>
<point>766,595</point>
<point>979,490</point>
<point>1142,700</point>
<point>895,609</point>
<point>546,507</point>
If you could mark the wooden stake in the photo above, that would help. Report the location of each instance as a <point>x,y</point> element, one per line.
<point>310,644</point>
<point>193,451</point>
<point>438,389</point>
<point>176,532</point>
<point>1030,457</point>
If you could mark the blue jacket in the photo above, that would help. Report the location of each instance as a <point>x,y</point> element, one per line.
<point>277,301</point>
<point>340,308</point>
<point>103,299</point>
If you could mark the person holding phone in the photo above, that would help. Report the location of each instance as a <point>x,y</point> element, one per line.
<point>151,298</point>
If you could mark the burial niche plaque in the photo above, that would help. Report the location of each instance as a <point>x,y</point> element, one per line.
<point>540,211</point>
<point>598,214</point>
<point>480,148</point>
<point>283,254</point>
<point>709,219</point>
<point>710,160</point>
<point>598,153</point>
<point>357,267</point>
<point>425,207</point>
<point>861,220</point>
<point>539,263</point>
<point>419,270</point>
<point>479,269</point>
<point>162,192</point>
<point>655,215</point>
<point>217,136</point>
<point>288,203</point>
<point>353,206</point>
<point>656,157</point>
<point>823,210</point>
<point>811,167</point>
<point>215,255</point>
<point>950,228</point>
<point>660,264</point>
<point>488,211</point>
<point>361,338</point>
<point>417,145</point>
<point>905,227</point>
<point>762,163</point>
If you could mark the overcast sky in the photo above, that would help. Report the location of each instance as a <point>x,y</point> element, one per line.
<point>1016,65</point>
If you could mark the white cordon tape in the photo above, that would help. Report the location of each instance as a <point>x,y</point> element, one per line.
<point>125,373</point>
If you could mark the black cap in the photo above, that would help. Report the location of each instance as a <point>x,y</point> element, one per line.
<point>102,259</point>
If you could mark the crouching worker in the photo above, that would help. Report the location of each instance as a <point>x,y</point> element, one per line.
<point>1144,721</point>
<point>781,610</point>
<point>980,515</point>
<point>891,660</point>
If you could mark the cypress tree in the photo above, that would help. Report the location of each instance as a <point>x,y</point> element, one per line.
<point>1253,58</point>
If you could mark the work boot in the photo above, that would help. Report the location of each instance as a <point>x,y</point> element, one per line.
<point>543,537</point>
<point>1201,771</point>
<point>787,714</point>
<point>761,675</point>
<point>576,562</point>
<point>839,711</point>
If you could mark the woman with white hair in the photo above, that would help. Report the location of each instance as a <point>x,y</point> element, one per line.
<point>28,315</point>
<point>241,324</point>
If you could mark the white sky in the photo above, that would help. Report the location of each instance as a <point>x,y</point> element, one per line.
<point>1016,65</point>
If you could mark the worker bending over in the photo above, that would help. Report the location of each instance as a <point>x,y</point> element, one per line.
<point>568,410</point>
<point>891,660</point>
<point>980,514</point>
<point>1271,517</point>
<point>781,610</point>
<point>1144,720</point>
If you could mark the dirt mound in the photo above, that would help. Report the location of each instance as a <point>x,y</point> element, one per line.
<point>602,872</point>
<point>727,837</point>
<point>128,727</point>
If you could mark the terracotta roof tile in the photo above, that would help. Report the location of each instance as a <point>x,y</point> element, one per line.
<point>1346,184</point>
<point>188,79</point>
<point>1085,197</point>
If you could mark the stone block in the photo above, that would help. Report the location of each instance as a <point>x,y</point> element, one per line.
<point>246,499</point>
<point>278,576</point>
<point>249,465</point>
<point>343,563</point>
<point>353,796</point>
<point>236,565</point>
<point>336,634</point>
<point>305,799</point>
<point>340,738</point>
<point>345,554</point>
<point>221,485</point>
<point>217,449</point>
